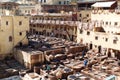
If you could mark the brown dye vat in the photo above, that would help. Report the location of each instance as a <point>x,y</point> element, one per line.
<point>97,67</point>
<point>70,56</point>
<point>65,74</point>
<point>75,49</point>
<point>37,69</point>
<point>77,68</point>
<point>53,52</point>
<point>34,59</point>
<point>38,58</point>
<point>29,65</point>
<point>52,77</point>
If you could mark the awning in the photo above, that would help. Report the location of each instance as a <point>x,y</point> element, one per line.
<point>104,4</point>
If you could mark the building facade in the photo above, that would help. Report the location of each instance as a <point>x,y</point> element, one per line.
<point>20,8</point>
<point>104,36</point>
<point>84,9</point>
<point>104,17</point>
<point>8,8</point>
<point>84,15</point>
<point>27,1</point>
<point>57,25</point>
<point>52,16</point>
<point>13,30</point>
<point>29,9</point>
<point>58,8</point>
<point>55,2</point>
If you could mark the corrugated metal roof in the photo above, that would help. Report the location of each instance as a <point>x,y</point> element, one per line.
<point>103,4</point>
<point>82,1</point>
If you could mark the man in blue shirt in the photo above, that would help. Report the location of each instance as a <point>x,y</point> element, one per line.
<point>85,62</point>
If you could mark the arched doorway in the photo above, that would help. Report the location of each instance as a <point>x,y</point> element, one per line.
<point>99,49</point>
<point>91,45</point>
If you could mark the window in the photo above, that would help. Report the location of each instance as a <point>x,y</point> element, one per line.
<point>59,2</point>
<point>87,15</point>
<point>64,2</point>
<point>80,15</point>
<point>44,1</point>
<point>106,23</point>
<point>20,33</point>
<point>20,22</point>
<point>25,11</point>
<point>81,31</point>
<point>28,11</point>
<point>88,33</point>
<point>106,39</point>
<point>67,2</point>
<point>95,46</point>
<point>96,37</point>
<point>6,22</point>
<point>41,1</point>
<point>110,23</point>
<point>33,25</point>
<point>10,38</point>
<point>116,23</point>
<point>114,41</point>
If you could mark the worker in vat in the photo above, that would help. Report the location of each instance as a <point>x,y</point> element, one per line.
<point>85,62</point>
<point>48,68</point>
